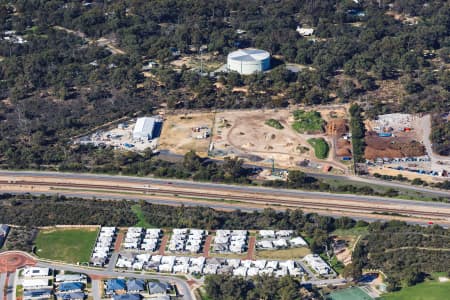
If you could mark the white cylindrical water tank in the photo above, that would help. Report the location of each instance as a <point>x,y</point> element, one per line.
<point>248,61</point>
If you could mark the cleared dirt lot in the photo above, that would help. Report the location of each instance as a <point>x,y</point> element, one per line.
<point>245,134</point>
<point>402,143</point>
<point>400,146</point>
<point>178,137</point>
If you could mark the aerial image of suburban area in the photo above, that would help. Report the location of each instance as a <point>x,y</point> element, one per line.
<point>224,150</point>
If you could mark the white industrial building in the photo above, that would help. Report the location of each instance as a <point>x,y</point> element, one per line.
<point>146,128</point>
<point>248,61</point>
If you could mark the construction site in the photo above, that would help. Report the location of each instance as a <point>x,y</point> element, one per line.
<point>134,135</point>
<point>246,134</point>
<point>399,144</point>
<point>185,132</point>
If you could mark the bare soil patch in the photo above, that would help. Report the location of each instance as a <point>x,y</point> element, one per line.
<point>245,134</point>
<point>178,137</point>
<point>392,147</point>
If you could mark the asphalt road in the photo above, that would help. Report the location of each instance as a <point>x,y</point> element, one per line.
<point>204,187</point>
<point>11,293</point>
<point>96,292</point>
<point>349,178</point>
<point>2,285</point>
<point>182,286</point>
<point>240,188</point>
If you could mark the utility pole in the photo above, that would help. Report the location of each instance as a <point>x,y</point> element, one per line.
<point>201,61</point>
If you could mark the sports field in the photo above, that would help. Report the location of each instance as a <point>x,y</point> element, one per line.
<point>431,290</point>
<point>353,293</point>
<point>68,245</point>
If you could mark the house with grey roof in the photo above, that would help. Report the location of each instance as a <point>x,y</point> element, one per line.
<point>4,229</point>
<point>158,288</point>
<point>135,286</point>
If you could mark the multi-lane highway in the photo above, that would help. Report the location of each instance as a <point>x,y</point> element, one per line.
<point>222,196</point>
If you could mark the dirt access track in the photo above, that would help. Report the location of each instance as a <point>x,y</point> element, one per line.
<point>245,134</point>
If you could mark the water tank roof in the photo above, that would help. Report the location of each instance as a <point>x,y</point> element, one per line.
<point>249,54</point>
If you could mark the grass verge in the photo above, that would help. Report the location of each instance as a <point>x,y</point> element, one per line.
<point>283,254</point>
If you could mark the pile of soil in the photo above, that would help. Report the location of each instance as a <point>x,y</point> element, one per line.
<point>337,127</point>
<point>391,147</point>
<point>343,148</point>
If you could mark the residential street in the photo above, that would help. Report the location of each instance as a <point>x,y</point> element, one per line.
<point>96,289</point>
<point>182,286</point>
<point>11,292</point>
<point>2,285</point>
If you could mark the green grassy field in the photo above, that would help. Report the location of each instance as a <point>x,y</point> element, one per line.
<point>355,231</point>
<point>308,121</point>
<point>69,245</point>
<point>430,290</point>
<point>283,253</point>
<point>320,146</point>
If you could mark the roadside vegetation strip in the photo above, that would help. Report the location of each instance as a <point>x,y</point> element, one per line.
<point>137,209</point>
<point>358,132</point>
<point>320,146</point>
<point>274,123</point>
<point>68,245</point>
<point>308,122</point>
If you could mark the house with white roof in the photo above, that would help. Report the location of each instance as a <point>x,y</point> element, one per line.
<point>318,264</point>
<point>165,268</point>
<point>280,243</point>
<point>35,283</point>
<point>195,269</point>
<point>240,271</point>
<point>298,242</point>
<point>284,233</point>
<point>252,271</point>
<point>260,263</point>
<point>264,244</point>
<point>210,269</point>
<point>198,261</point>
<point>267,234</point>
<point>273,264</point>
<point>35,272</point>
<point>181,268</point>
<point>234,262</point>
